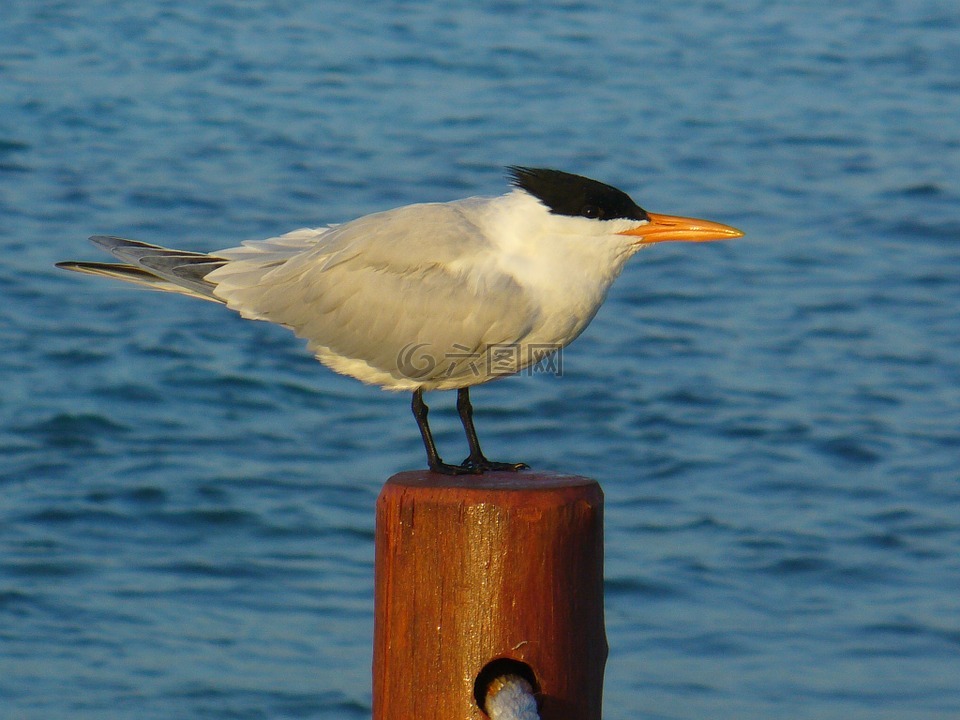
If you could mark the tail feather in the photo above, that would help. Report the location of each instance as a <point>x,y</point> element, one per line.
<point>153,266</point>
<point>188,271</point>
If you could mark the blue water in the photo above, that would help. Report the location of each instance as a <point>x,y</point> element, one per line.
<point>187,499</point>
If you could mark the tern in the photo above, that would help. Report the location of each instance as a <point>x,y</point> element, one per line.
<point>432,296</point>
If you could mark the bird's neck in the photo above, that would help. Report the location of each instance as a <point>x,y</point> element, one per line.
<point>567,274</point>
<point>539,247</point>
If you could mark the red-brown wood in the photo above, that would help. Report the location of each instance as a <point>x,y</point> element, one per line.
<point>474,568</point>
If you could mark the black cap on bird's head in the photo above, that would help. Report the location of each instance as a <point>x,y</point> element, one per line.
<point>574,195</point>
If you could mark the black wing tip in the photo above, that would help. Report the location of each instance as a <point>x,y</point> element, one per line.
<point>71,265</point>
<point>88,267</point>
<point>74,265</point>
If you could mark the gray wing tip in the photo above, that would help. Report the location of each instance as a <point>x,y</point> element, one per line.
<point>108,242</point>
<point>99,268</point>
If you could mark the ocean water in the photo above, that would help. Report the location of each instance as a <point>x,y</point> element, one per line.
<point>187,498</point>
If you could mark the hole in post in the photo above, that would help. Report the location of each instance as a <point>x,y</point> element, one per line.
<point>498,668</point>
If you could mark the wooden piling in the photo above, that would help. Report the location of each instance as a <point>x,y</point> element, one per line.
<point>489,571</point>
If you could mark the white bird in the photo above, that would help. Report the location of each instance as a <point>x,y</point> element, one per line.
<point>431,296</point>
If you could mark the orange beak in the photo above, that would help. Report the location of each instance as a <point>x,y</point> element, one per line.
<point>664,228</point>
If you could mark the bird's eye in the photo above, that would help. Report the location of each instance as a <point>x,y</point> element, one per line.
<point>591,211</point>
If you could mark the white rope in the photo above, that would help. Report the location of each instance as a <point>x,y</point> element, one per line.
<point>510,697</point>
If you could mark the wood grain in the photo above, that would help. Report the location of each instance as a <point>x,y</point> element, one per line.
<point>472,569</point>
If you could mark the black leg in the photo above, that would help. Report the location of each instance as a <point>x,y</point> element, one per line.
<point>437,465</point>
<point>477,461</point>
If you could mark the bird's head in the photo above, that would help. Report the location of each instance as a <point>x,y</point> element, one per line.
<point>573,196</point>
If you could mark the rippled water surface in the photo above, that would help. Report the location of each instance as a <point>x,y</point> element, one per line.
<point>187,499</point>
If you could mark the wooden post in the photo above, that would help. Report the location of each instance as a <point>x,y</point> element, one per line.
<point>476,569</point>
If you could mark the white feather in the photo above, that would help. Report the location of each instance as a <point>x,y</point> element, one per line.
<point>416,297</point>
<point>422,296</point>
